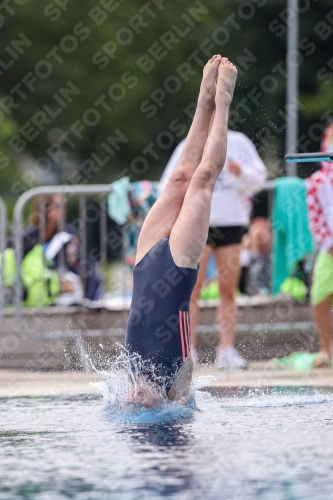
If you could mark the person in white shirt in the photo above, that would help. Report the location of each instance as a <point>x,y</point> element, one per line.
<point>243,175</point>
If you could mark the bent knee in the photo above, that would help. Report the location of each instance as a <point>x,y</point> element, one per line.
<point>180,176</point>
<point>204,176</point>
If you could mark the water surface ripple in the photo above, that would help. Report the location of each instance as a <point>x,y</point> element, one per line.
<point>273,445</point>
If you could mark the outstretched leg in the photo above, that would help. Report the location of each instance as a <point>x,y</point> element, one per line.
<point>163,215</point>
<point>189,233</point>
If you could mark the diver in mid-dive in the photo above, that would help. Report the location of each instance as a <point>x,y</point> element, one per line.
<point>172,240</point>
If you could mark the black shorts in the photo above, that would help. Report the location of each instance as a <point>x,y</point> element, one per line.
<point>225,235</point>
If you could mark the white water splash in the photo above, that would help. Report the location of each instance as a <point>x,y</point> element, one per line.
<point>132,398</point>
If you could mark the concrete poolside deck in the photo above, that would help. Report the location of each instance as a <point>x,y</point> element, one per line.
<point>16,383</point>
<point>64,338</point>
<point>50,350</point>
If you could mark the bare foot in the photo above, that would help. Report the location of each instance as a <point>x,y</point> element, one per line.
<point>208,83</point>
<point>322,360</point>
<point>227,74</point>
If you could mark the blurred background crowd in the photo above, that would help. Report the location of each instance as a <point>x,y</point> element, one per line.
<point>104,93</point>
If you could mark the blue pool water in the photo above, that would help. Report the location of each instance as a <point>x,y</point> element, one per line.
<point>272,444</point>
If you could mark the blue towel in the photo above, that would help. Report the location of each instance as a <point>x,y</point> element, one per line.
<point>119,207</point>
<point>292,239</point>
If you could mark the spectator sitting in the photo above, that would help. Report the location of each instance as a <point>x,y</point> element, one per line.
<point>47,248</point>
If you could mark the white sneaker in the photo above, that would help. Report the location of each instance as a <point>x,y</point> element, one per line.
<point>194,358</point>
<point>229,359</point>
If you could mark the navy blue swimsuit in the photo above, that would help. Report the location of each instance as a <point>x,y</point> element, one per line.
<point>158,327</point>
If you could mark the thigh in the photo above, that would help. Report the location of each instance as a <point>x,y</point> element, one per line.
<point>162,215</point>
<point>324,305</point>
<point>188,237</point>
<point>228,267</point>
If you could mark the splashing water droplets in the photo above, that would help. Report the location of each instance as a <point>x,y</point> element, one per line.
<point>131,396</point>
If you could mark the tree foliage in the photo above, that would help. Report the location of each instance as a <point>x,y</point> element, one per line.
<point>120,78</point>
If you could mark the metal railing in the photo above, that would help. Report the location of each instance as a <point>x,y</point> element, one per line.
<point>80,191</point>
<point>3,235</point>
